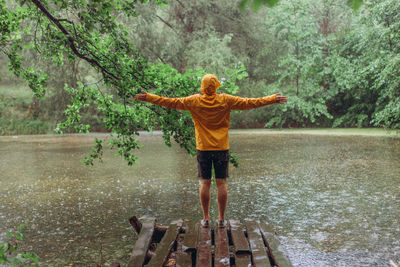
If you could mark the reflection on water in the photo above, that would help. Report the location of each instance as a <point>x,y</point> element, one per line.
<point>333,200</point>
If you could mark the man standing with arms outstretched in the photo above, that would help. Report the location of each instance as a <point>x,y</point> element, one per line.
<point>211,114</point>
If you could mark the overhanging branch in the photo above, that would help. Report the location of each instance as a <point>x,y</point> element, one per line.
<point>71,40</point>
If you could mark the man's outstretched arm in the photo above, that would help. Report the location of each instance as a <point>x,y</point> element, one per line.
<point>175,103</point>
<point>243,103</point>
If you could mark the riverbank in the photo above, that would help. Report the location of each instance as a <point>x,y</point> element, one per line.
<point>305,131</point>
<point>324,131</point>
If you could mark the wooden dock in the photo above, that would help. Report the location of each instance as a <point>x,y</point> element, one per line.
<point>187,244</point>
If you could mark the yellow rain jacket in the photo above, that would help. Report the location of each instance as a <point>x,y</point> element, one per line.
<point>211,112</point>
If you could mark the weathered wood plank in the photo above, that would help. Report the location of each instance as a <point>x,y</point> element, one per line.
<point>143,242</point>
<point>258,250</point>
<point>204,257</point>
<point>221,258</point>
<point>243,260</point>
<point>190,238</point>
<point>240,243</point>
<point>166,244</point>
<point>159,230</point>
<point>184,259</point>
<point>273,246</point>
<point>136,224</point>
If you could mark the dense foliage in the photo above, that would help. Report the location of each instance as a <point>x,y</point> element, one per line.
<point>319,53</point>
<point>339,66</point>
<point>65,31</point>
<point>12,255</point>
<point>365,70</point>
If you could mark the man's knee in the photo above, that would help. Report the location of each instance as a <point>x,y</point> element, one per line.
<point>220,182</point>
<point>205,182</point>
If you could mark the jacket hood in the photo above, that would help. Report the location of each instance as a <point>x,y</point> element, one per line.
<point>209,84</point>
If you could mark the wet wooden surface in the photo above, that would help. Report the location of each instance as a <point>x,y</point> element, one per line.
<point>142,244</point>
<point>222,256</point>
<point>258,250</point>
<point>273,243</point>
<point>240,242</point>
<point>191,233</point>
<point>243,260</point>
<point>164,247</point>
<point>184,259</point>
<point>188,244</point>
<point>241,249</point>
<point>204,256</point>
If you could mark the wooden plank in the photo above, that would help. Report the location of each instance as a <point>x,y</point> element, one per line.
<point>166,244</point>
<point>136,224</point>
<point>273,243</point>
<point>143,242</point>
<point>190,238</point>
<point>258,250</point>
<point>184,259</point>
<point>221,258</point>
<point>204,257</point>
<point>240,243</point>
<point>243,260</point>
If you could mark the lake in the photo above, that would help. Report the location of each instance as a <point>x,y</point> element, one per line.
<point>333,199</point>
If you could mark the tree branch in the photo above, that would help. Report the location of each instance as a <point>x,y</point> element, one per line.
<point>71,40</point>
<point>166,23</point>
<point>72,43</point>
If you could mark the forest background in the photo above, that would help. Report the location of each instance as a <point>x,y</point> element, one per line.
<point>338,66</point>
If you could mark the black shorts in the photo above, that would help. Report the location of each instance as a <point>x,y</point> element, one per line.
<point>206,159</point>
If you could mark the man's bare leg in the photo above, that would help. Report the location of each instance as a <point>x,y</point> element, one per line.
<point>205,197</point>
<point>222,197</point>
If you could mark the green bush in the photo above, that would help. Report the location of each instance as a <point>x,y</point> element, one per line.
<point>299,112</point>
<point>12,254</point>
<point>14,122</point>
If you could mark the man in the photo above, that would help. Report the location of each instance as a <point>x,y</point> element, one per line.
<point>211,114</point>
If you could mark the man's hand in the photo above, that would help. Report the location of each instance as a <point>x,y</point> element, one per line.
<point>141,97</point>
<point>280,99</point>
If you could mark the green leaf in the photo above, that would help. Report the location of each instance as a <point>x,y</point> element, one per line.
<point>271,3</point>
<point>257,4</point>
<point>243,4</point>
<point>19,236</point>
<point>355,4</point>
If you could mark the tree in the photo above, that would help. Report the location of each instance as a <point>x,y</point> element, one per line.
<point>64,31</point>
<point>365,68</point>
<point>296,26</point>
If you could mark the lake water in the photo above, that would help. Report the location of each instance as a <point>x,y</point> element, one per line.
<point>333,200</point>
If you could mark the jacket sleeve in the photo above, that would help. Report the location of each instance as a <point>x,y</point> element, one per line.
<point>182,103</point>
<point>243,103</point>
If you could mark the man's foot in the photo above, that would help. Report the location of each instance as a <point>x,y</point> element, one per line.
<point>205,223</point>
<point>222,223</point>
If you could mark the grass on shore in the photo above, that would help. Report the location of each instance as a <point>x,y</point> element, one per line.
<point>14,103</point>
<point>324,131</point>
